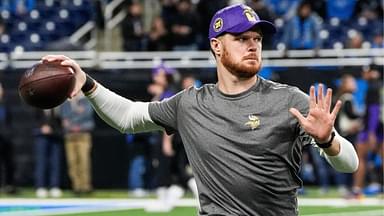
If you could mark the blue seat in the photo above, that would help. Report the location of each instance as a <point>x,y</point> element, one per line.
<point>33,42</point>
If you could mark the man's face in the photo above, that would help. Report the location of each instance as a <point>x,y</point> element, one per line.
<point>241,54</point>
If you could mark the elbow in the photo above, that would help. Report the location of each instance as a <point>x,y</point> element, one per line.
<point>349,167</point>
<point>356,166</point>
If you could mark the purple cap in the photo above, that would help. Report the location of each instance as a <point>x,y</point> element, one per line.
<point>237,19</point>
<point>162,67</point>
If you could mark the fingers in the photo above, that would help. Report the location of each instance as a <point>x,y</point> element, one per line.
<point>52,58</point>
<point>66,61</point>
<point>298,115</point>
<point>312,98</point>
<point>328,100</point>
<point>320,100</point>
<point>336,109</point>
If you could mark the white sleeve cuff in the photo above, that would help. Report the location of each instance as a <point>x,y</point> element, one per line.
<point>346,161</point>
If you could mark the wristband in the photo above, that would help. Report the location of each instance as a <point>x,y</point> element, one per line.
<point>327,144</point>
<point>89,85</point>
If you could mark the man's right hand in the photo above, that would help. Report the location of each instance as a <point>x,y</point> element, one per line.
<point>80,75</point>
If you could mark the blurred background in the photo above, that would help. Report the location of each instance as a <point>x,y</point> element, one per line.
<point>143,48</point>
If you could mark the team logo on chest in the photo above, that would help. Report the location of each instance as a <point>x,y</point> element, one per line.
<point>253,122</point>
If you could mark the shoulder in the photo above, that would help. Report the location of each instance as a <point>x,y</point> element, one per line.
<point>269,85</point>
<point>202,90</point>
<point>284,92</point>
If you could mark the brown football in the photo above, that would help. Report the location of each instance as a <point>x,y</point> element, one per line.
<point>46,85</point>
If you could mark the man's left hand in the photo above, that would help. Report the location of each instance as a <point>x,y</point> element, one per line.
<point>320,120</point>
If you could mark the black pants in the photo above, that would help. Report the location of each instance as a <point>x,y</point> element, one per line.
<point>6,162</point>
<point>170,170</point>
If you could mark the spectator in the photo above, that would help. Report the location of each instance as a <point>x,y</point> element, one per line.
<point>184,27</point>
<point>78,122</point>
<point>205,11</point>
<point>158,37</point>
<point>320,8</point>
<point>18,7</point>
<point>164,86</point>
<point>370,9</point>
<point>348,122</point>
<point>132,28</point>
<point>303,29</point>
<point>7,169</point>
<point>138,151</point>
<point>48,153</point>
<point>264,13</point>
<point>378,40</point>
<point>2,26</point>
<point>372,134</point>
<point>355,40</point>
<point>168,11</point>
<point>283,8</point>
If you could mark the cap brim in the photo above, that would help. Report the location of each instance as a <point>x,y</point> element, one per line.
<point>265,26</point>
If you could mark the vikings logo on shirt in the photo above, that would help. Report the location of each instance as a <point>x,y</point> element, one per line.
<point>253,122</point>
<point>249,14</point>
<point>218,24</point>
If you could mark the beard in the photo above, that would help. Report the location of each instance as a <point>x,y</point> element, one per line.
<point>239,69</point>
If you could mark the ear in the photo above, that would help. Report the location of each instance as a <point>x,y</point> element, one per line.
<point>216,46</point>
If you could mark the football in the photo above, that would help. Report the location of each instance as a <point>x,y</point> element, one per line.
<point>46,85</point>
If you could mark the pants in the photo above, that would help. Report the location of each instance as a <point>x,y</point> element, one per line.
<point>78,148</point>
<point>170,170</point>
<point>6,162</point>
<point>48,157</point>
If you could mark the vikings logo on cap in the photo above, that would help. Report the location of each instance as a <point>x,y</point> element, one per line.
<point>249,14</point>
<point>218,24</point>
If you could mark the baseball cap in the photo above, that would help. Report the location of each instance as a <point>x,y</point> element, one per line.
<point>162,67</point>
<point>237,18</point>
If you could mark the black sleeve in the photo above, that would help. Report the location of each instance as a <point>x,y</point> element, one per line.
<point>348,109</point>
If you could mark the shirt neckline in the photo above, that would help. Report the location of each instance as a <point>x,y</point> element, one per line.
<point>239,95</point>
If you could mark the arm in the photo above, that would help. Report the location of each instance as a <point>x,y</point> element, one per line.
<point>167,145</point>
<point>121,113</point>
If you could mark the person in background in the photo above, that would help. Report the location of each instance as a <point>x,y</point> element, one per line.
<point>205,10</point>
<point>371,136</point>
<point>302,30</point>
<point>7,168</point>
<point>176,175</point>
<point>18,7</point>
<point>165,85</point>
<point>377,40</point>
<point>48,153</point>
<point>132,28</point>
<point>184,27</point>
<point>349,121</point>
<point>355,40</point>
<point>159,38</point>
<point>78,122</point>
<point>266,14</point>
<point>369,9</point>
